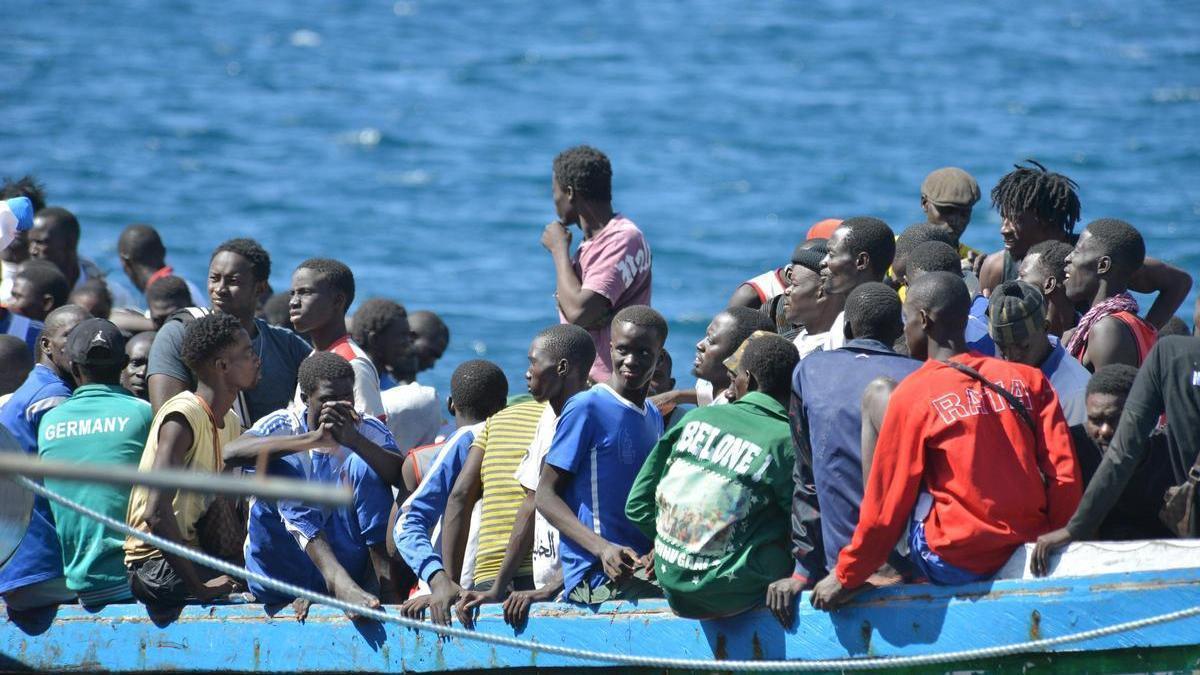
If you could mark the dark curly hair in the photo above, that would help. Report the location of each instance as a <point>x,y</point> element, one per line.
<point>872,235</point>
<point>204,338</point>
<point>586,170</point>
<point>322,367</point>
<point>933,256</point>
<point>915,235</point>
<point>373,317</point>
<point>170,289</point>
<point>1121,242</point>
<point>644,316</point>
<point>333,272</point>
<point>873,311</point>
<point>478,388</point>
<point>1052,197</point>
<point>64,219</point>
<point>770,359</point>
<point>45,277</point>
<point>1115,379</point>
<point>746,321</point>
<point>25,186</point>
<point>251,250</point>
<point>1051,257</point>
<point>570,342</point>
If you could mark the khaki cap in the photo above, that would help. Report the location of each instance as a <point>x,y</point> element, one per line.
<point>950,186</point>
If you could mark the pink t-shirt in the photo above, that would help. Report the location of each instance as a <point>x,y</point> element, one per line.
<point>616,264</point>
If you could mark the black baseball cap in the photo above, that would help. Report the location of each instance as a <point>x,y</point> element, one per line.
<point>96,342</point>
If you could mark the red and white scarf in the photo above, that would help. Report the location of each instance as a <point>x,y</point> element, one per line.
<point>1121,302</point>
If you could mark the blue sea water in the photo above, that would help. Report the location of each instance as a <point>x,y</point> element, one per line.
<point>414,139</point>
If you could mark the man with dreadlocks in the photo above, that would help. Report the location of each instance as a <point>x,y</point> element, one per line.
<point>1037,205</point>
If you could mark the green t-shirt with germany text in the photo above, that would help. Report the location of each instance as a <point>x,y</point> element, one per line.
<point>99,424</point>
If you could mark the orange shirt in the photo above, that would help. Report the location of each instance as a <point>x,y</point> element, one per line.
<point>995,483</point>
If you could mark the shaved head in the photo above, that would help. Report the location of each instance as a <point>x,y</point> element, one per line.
<point>943,295</point>
<point>935,312</point>
<point>67,315</point>
<point>140,243</point>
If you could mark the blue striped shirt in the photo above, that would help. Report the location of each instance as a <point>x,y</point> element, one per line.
<point>423,509</point>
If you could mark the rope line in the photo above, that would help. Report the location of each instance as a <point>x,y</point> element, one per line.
<point>872,663</point>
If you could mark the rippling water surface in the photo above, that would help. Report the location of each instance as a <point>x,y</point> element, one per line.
<point>414,140</point>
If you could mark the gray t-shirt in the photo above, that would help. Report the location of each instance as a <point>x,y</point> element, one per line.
<point>281,352</point>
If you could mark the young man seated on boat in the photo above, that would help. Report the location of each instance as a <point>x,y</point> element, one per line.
<point>486,492</point>
<point>188,431</point>
<point>322,439</point>
<point>826,423</point>
<point>977,468</point>
<point>603,436</point>
<point>478,390</point>
<point>103,424</point>
<point>715,494</point>
<point>559,360</point>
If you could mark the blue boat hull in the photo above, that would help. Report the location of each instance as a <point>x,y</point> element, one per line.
<point>897,621</point>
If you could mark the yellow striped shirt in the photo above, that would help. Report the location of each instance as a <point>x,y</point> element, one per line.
<point>505,439</point>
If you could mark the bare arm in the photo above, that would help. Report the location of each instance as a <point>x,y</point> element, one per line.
<point>618,561</point>
<point>669,399</point>
<point>1110,342</point>
<point>1171,283</point>
<point>874,406</point>
<point>162,387</point>
<point>579,305</point>
<point>245,449</point>
<point>990,272</point>
<point>520,541</point>
<point>130,321</point>
<point>745,296</point>
<point>456,523</point>
<point>174,440</point>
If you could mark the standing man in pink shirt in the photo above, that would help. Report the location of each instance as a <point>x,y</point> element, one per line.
<point>611,269</point>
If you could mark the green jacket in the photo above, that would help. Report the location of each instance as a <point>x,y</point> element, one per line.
<point>716,494</point>
<point>99,424</point>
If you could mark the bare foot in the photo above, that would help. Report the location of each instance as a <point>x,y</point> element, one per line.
<point>301,605</point>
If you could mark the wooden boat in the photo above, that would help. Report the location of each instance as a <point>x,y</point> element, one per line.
<point>1093,585</point>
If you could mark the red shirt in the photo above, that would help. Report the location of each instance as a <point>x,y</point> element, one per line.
<point>1144,334</point>
<point>995,483</point>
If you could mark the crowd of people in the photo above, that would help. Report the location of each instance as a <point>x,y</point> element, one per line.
<point>882,407</point>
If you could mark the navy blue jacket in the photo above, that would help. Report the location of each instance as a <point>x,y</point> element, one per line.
<point>827,430</point>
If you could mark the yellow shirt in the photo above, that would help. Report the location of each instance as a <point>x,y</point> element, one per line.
<point>505,439</point>
<point>204,455</point>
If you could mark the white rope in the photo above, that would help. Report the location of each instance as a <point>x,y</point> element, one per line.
<point>587,655</point>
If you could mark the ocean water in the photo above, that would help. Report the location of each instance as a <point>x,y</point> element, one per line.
<point>414,139</point>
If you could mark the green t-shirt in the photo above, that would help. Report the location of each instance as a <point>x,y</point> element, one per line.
<point>716,494</point>
<point>99,424</point>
